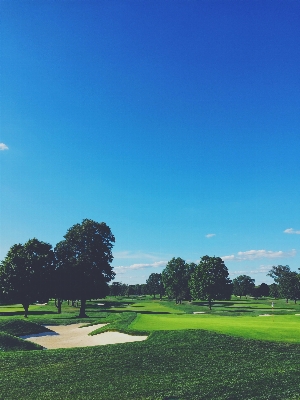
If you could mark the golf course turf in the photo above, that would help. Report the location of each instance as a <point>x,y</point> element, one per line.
<point>183,358</point>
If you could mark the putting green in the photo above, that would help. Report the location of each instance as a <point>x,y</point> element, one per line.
<point>282,328</point>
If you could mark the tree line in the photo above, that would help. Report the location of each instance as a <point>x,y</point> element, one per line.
<point>79,268</point>
<point>209,281</point>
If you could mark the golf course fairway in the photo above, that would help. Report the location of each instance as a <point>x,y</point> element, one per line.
<point>281,328</point>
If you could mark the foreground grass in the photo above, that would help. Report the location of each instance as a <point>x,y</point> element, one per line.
<point>169,365</point>
<point>173,363</point>
<point>284,328</point>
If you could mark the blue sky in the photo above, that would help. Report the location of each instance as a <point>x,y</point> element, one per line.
<point>175,122</point>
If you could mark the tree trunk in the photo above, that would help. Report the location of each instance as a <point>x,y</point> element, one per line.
<point>82,313</point>
<point>26,307</point>
<point>58,303</point>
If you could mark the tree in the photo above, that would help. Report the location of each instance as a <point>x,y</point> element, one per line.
<point>289,286</point>
<point>175,279</point>
<point>274,290</point>
<point>115,289</point>
<point>26,273</point>
<point>243,285</point>
<point>263,290</point>
<point>84,260</point>
<point>277,272</point>
<point>155,285</point>
<point>287,281</point>
<point>210,280</point>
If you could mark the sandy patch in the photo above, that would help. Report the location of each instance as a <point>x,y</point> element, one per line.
<point>199,312</point>
<point>66,336</point>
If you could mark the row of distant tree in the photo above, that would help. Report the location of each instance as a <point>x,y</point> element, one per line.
<point>79,268</point>
<point>209,281</point>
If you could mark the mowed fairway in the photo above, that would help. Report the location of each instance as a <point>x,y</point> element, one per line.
<point>282,328</point>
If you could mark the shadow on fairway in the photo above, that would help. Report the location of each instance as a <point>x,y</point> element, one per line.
<point>30,313</point>
<point>215,304</point>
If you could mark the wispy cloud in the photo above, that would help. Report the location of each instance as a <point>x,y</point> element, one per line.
<point>262,269</point>
<point>210,235</point>
<point>292,231</point>
<point>123,270</point>
<point>132,255</point>
<point>257,254</point>
<point>3,146</point>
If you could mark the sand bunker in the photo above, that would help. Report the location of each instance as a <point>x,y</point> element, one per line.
<point>65,336</point>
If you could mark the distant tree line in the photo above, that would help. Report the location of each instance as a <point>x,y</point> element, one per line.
<point>209,281</point>
<point>79,268</point>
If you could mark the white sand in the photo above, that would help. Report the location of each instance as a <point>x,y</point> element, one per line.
<point>66,336</point>
<point>199,312</point>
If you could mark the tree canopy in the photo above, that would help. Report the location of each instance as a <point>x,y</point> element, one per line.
<point>175,279</point>
<point>84,262</point>
<point>210,280</point>
<point>288,282</point>
<point>243,285</point>
<point>26,273</point>
<point>155,284</point>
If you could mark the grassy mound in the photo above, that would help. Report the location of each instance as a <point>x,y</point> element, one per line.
<point>119,323</point>
<point>12,343</point>
<point>20,327</point>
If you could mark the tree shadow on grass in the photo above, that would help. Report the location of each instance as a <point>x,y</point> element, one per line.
<point>30,313</point>
<point>238,310</point>
<point>214,304</point>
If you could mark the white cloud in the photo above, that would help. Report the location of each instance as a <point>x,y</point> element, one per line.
<point>123,270</point>
<point>209,235</point>
<point>292,231</point>
<point>130,255</point>
<point>3,146</point>
<point>257,254</point>
<point>263,269</point>
<point>228,258</point>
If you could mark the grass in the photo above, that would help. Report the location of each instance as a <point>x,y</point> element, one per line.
<point>184,364</point>
<point>12,343</point>
<point>284,328</point>
<point>186,356</point>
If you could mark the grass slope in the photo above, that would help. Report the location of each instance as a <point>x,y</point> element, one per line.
<point>20,327</point>
<point>12,343</point>
<point>169,365</point>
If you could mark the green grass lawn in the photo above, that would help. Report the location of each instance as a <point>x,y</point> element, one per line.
<point>284,328</point>
<point>186,365</point>
<point>212,356</point>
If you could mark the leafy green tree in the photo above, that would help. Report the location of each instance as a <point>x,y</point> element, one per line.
<point>115,289</point>
<point>287,281</point>
<point>243,285</point>
<point>277,272</point>
<point>155,285</point>
<point>84,262</point>
<point>175,279</point>
<point>289,286</point>
<point>274,290</point>
<point>130,290</point>
<point>210,280</point>
<point>263,290</point>
<point>26,273</point>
